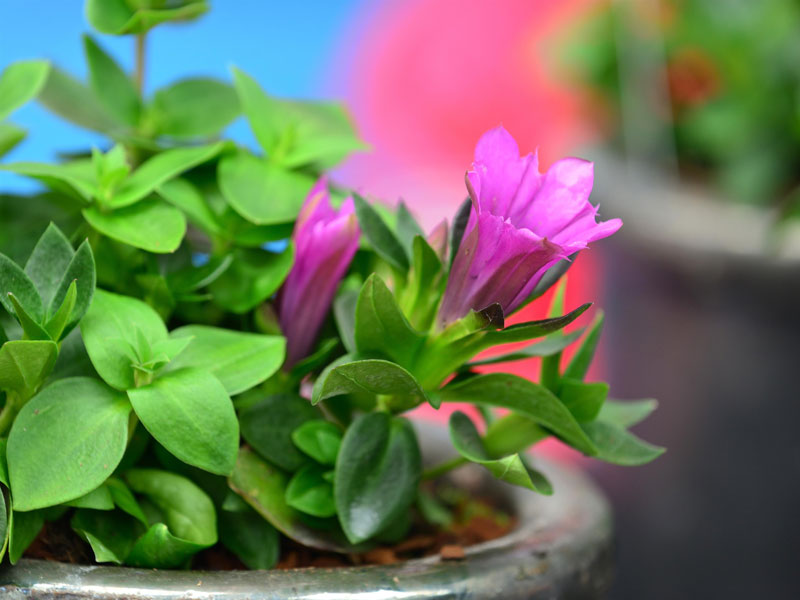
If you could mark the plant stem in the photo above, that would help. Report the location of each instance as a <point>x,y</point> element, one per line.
<point>8,413</point>
<point>441,469</point>
<point>140,55</point>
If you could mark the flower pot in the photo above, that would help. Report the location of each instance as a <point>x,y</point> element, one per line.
<point>701,317</point>
<point>562,548</point>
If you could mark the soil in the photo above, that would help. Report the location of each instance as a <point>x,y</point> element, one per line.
<point>475,520</point>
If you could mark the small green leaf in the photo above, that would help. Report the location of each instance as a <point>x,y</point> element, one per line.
<point>74,179</point>
<point>119,17</point>
<point>263,487</point>
<point>25,364</point>
<point>582,399</point>
<point>48,262</point>
<point>13,280</point>
<point>525,331</point>
<point>380,237</point>
<point>159,169</point>
<point>109,331</point>
<point>512,433</point>
<point>191,415</point>
<point>75,102</point>
<point>23,529</point>
<point>254,275</point>
<point>32,329</point>
<point>124,500</point>
<point>250,537</point>
<point>98,499</point>
<point>150,224</point>
<point>344,311</point>
<point>381,328</point>
<point>407,228</point>
<point>111,84</point>
<point>262,192</point>
<point>10,137</point>
<point>525,397</point>
<point>371,376</point>
<point>197,107</point>
<point>81,273</point>
<point>65,442</point>
<point>310,493</point>
<point>184,195</point>
<point>377,473</point>
<point>20,82</point>
<point>513,469</point>
<point>626,414</point>
<point>425,284</point>
<point>547,347</point>
<point>579,365</point>
<point>319,439</point>
<point>240,360</point>
<point>110,534</point>
<point>620,447</point>
<point>268,426</point>
<point>4,526</point>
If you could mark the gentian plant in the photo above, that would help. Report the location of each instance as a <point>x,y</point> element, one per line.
<point>213,345</point>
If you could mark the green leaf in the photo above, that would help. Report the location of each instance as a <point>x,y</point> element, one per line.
<point>182,194</point>
<point>262,192</point>
<point>626,414</point>
<point>158,170</point>
<point>98,499</point>
<point>425,284</point>
<point>189,525</point>
<point>240,360</point>
<point>111,84</point>
<point>150,224</point>
<point>579,365</point>
<point>296,133</point>
<point>65,442</point>
<point>319,439</point>
<point>25,364</point>
<point>13,280</point>
<point>191,415</point>
<point>547,347</point>
<point>109,331</point>
<point>460,222</point>
<point>81,273</point>
<point>377,474</point>
<point>250,537</point>
<point>263,487</point>
<point>74,179</point>
<point>512,469</point>
<point>582,399</point>
<point>615,445</point>
<point>254,275</point>
<point>23,529</point>
<point>525,331</point>
<point>525,397</point>
<point>10,137</point>
<point>512,433</point>
<point>380,326</point>
<point>32,329</point>
<point>372,376</point>
<point>197,107</point>
<point>344,312</point>
<point>124,500</point>
<point>110,534</point>
<point>75,102</point>
<point>407,228</point>
<point>20,82</point>
<point>268,426</point>
<point>119,17</point>
<point>48,262</point>
<point>310,493</point>
<point>380,237</point>
<point>4,526</point>
<point>4,462</point>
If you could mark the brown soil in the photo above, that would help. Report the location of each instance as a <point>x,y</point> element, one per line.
<point>58,542</point>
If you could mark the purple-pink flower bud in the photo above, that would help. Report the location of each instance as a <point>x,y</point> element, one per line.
<point>522,223</point>
<point>325,241</point>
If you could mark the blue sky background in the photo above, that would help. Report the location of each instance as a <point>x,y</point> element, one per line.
<point>288,46</point>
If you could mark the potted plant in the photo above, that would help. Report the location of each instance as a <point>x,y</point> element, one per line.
<point>212,368</point>
<point>701,163</point>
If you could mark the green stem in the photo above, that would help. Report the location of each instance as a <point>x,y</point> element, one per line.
<point>441,469</point>
<point>8,413</point>
<point>140,55</point>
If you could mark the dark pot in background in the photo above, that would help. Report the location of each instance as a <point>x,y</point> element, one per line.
<point>561,549</point>
<point>702,318</point>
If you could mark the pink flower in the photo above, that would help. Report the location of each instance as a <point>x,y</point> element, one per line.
<point>522,222</point>
<point>325,241</point>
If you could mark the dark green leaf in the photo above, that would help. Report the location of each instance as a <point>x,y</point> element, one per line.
<point>433,511</point>
<point>240,360</point>
<point>513,469</point>
<point>626,414</point>
<point>547,347</point>
<point>13,280</point>
<point>380,326</point>
<point>197,107</point>
<point>65,442</point>
<point>23,529</point>
<point>407,228</point>
<point>191,415</point>
<point>150,224</point>
<point>48,262</point>
<point>81,273</point>
<point>615,445</point>
<point>344,311</point>
<point>525,397</point>
<point>582,399</point>
<point>111,84</point>
<point>20,82</point>
<point>110,534</point>
<point>310,493</point>
<point>460,222</point>
<point>319,439</point>
<point>250,537</point>
<point>262,192</point>
<point>377,474</point>
<point>512,433</point>
<point>124,500</point>
<point>380,237</point>
<point>32,329</point>
<point>254,275</point>
<point>4,526</point>
<point>533,329</point>
<point>25,364</point>
<point>268,426</point>
<point>579,365</point>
